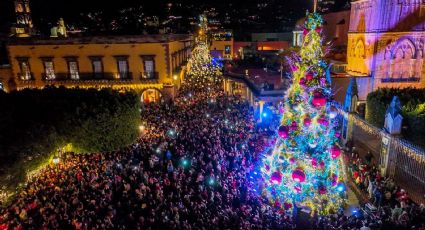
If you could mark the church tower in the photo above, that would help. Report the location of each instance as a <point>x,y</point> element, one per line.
<point>23,26</point>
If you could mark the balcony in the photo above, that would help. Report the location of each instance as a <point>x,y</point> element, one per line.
<point>24,77</point>
<point>149,77</point>
<point>399,79</point>
<point>90,76</point>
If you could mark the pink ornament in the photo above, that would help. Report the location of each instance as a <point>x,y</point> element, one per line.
<point>292,160</point>
<point>298,175</point>
<point>314,163</point>
<point>302,82</point>
<point>334,179</point>
<point>281,110</point>
<point>307,121</point>
<point>323,121</point>
<point>294,68</point>
<point>319,101</point>
<point>337,134</point>
<point>305,32</point>
<point>276,177</point>
<point>267,167</point>
<point>283,132</point>
<point>322,190</point>
<point>335,152</point>
<point>277,204</point>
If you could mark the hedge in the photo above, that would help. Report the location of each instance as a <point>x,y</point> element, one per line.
<point>35,123</point>
<point>413,110</point>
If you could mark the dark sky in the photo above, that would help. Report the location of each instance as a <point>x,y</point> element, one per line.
<point>44,11</point>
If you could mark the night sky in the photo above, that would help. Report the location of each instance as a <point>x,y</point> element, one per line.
<point>45,12</point>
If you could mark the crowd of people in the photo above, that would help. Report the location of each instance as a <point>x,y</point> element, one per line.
<point>189,170</point>
<point>389,205</point>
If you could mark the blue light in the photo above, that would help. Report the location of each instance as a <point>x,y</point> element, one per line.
<point>264,114</point>
<point>340,187</point>
<point>211,181</point>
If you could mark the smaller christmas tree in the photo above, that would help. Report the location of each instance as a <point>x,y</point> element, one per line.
<point>202,68</point>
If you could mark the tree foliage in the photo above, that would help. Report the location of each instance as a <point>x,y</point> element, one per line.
<point>413,110</point>
<point>35,123</point>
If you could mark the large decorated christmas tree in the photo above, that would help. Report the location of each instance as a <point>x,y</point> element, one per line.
<point>303,168</point>
<point>201,66</point>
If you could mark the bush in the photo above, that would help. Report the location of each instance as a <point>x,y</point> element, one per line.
<point>413,110</point>
<point>35,123</point>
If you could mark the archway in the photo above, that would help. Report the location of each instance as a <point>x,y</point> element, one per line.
<point>151,95</point>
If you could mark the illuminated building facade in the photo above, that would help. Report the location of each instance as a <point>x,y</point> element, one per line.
<point>222,44</point>
<point>23,26</point>
<point>386,42</point>
<point>151,64</point>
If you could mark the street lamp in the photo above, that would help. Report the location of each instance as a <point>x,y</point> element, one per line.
<point>55,160</point>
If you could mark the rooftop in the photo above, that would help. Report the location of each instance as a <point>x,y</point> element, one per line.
<point>123,39</point>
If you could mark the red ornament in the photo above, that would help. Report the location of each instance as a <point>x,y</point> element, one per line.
<point>307,121</point>
<point>335,152</point>
<point>276,178</point>
<point>319,30</point>
<point>305,32</point>
<point>309,76</point>
<point>318,100</point>
<point>294,125</point>
<point>298,175</point>
<point>287,205</point>
<point>283,132</point>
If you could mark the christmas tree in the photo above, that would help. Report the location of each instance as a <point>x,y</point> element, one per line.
<point>201,66</point>
<point>303,168</point>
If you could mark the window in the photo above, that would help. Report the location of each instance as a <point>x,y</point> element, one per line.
<point>25,68</point>
<point>49,72</point>
<point>97,66</point>
<point>227,49</point>
<point>149,66</point>
<point>73,70</point>
<point>122,66</point>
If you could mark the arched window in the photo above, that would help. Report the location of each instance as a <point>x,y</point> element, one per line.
<point>404,63</point>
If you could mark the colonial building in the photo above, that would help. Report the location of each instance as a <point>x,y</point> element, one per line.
<point>386,42</point>
<point>149,64</point>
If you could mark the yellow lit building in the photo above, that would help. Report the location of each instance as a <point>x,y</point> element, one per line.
<point>150,64</point>
<point>222,44</point>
